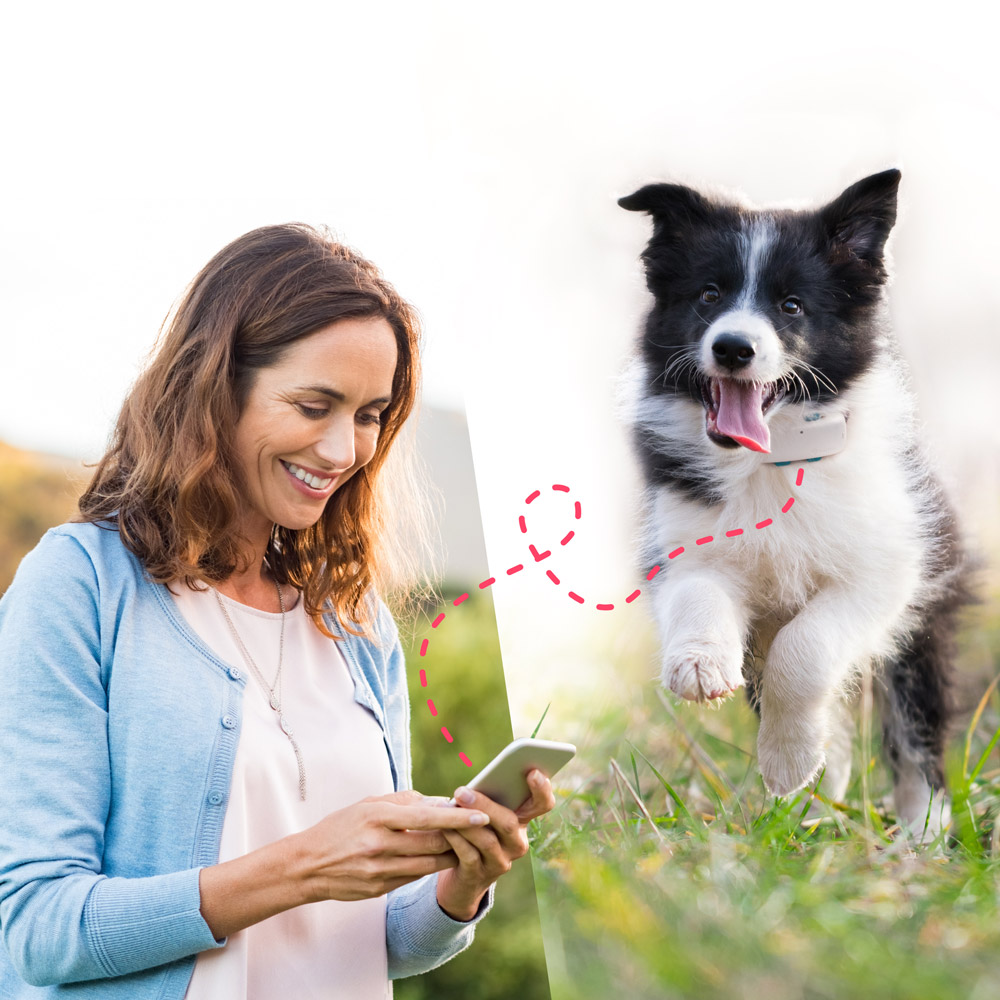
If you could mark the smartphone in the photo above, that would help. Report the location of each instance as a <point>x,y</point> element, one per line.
<point>503,779</point>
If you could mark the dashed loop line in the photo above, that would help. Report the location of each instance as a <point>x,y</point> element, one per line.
<point>538,557</point>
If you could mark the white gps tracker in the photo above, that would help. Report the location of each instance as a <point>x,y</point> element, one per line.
<point>816,435</point>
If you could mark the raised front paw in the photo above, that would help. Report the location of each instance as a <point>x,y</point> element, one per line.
<point>790,754</point>
<point>703,672</point>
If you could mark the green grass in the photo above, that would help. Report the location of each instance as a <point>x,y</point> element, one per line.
<point>667,871</point>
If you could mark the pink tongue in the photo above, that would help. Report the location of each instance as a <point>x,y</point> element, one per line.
<point>741,416</point>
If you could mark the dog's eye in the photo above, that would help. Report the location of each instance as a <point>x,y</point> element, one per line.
<point>710,294</point>
<point>791,306</point>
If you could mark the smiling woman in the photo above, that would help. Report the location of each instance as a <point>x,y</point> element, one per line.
<point>206,725</point>
<point>296,444</point>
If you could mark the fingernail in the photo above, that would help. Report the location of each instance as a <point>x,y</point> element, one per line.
<point>479,819</point>
<point>464,797</point>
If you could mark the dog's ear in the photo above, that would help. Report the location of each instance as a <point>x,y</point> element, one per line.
<point>672,204</point>
<point>860,219</point>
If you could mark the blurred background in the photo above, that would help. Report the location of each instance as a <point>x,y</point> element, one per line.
<point>477,154</point>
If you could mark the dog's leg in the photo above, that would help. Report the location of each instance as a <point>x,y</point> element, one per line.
<point>807,667</point>
<point>916,707</point>
<point>702,631</point>
<point>839,744</point>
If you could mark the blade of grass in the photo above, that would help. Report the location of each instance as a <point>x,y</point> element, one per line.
<point>974,722</point>
<point>619,776</point>
<point>698,829</point>
<point>534,732</point>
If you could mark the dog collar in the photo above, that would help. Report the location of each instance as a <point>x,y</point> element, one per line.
<point>816,435</point>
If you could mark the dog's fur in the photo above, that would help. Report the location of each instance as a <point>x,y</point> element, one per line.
<point>865,570</point>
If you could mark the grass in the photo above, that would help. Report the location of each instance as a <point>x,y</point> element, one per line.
<point>667,871</point>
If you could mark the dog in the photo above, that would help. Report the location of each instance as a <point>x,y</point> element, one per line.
<point>768,337</point>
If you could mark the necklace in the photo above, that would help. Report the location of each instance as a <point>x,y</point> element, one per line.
<point>273,691</point>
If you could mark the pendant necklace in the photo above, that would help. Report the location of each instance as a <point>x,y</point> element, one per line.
<point>272,691</point>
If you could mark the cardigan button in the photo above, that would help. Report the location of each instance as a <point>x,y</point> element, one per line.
<point>229,721</point>
<point>234,673</point>
<point>215,798</point>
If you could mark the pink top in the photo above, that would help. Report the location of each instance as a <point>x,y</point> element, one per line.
<point>322,950</point>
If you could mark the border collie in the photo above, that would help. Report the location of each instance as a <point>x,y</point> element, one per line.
<point>768,339</point>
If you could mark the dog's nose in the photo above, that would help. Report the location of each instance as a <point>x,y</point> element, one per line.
<point>733,350</point>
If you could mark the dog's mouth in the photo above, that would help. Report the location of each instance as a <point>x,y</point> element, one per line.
<point>735,411</point>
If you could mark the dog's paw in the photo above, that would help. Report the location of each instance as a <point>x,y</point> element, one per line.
<point>924,813</point>
<point>789,757</point>
<point>703,673</point>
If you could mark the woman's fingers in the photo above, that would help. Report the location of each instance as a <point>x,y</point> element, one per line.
<point>468,854</point>
<point>504,822</point>
<point>412,843</point>
<point>542,798</point>
<point>428,817</point>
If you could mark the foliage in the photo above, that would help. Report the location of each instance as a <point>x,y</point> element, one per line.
<point>465,680</point>
<point>35,494</point>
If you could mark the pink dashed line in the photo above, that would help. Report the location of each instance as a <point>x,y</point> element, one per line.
<point>539,556</point>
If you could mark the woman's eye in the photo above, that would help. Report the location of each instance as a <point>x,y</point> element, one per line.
<point>312,412</point>
<point>791,306</point>
<point>710,295</point>
<point>370,419</point>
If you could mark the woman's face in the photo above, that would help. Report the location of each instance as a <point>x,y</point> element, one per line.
<point>312,420</point>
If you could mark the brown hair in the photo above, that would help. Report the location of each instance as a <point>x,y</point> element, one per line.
<point>169,482</point>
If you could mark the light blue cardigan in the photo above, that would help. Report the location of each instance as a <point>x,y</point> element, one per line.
<point>118,732</point>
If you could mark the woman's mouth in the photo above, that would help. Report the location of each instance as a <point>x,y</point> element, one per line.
<point>314,483</point>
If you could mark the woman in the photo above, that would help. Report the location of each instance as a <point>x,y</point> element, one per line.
<point>205,721</point>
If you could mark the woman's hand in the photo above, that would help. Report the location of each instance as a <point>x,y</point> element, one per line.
<point>486,854</point>
<point>365,850</point>
<point>381,843</point>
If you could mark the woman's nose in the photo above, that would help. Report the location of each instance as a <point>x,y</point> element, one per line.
<point>337,445</point>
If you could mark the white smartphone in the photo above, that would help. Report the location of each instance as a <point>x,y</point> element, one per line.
<point>503,779</point>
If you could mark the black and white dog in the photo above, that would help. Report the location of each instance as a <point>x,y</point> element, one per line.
<point>768,338</point>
